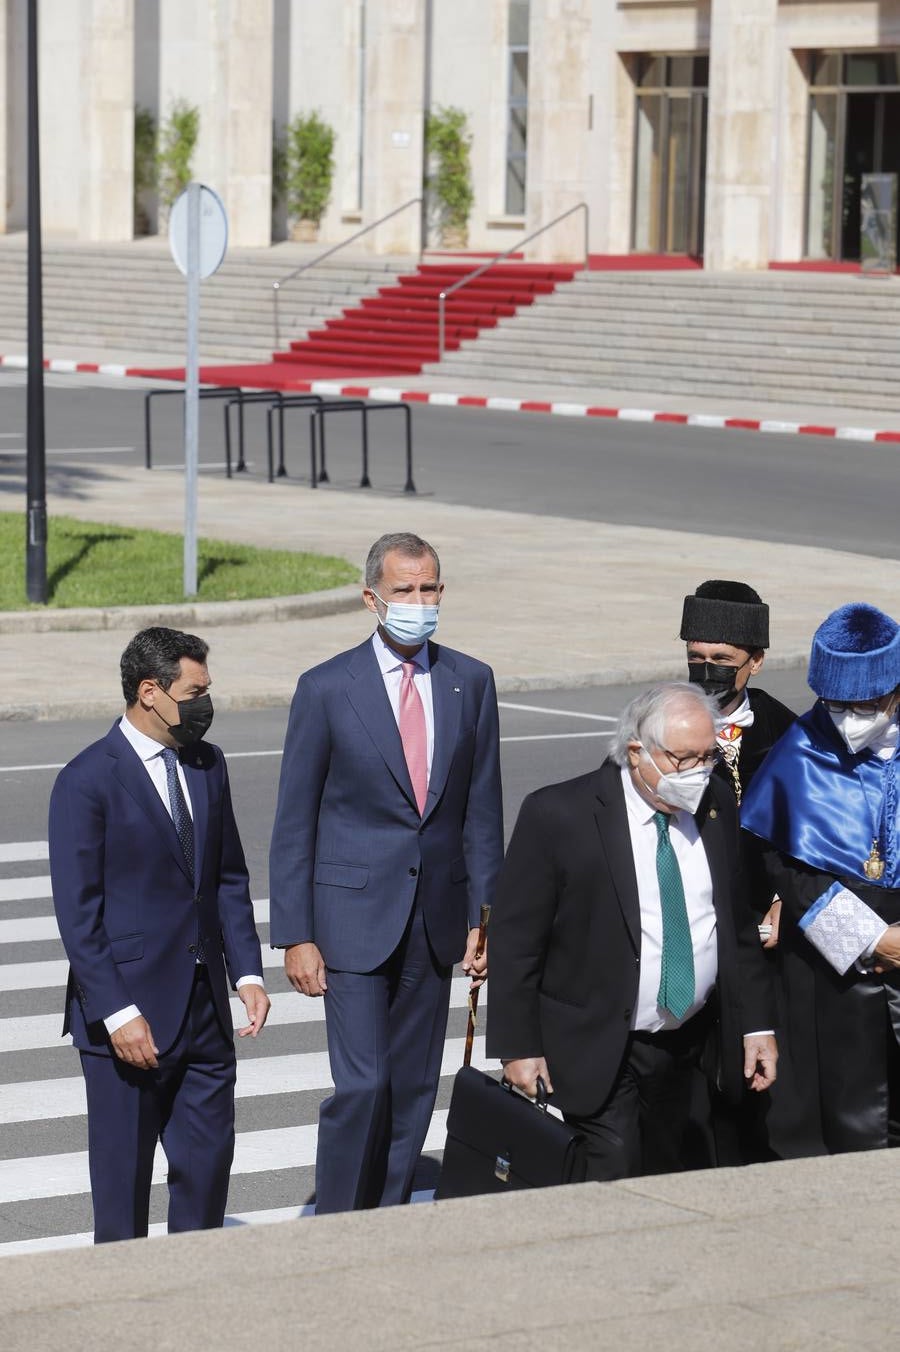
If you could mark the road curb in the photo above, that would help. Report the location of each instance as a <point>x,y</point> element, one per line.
<point>499,403</point>
<point>313,605</point>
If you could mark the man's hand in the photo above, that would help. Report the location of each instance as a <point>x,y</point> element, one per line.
<point>257,1005</point>
<point>474,967</point>
<point>524,1074</point>
<point>887,950</point>
<point>304,968</point>
<point>133,1043</point>
<point>772,917</point>
<point>760,1057</point>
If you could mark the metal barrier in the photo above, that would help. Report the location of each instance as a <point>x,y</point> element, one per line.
<point>208,392</point>
<point>289,401</point>
<point>318,469</point>
<point>275,399</point>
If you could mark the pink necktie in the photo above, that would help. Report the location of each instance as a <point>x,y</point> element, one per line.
<point>413,734</point>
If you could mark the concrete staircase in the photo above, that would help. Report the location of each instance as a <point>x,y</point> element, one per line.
<point>131,298</point>
<point>396,331</point>
<point>815,338</point>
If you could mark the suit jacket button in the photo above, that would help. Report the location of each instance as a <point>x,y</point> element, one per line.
<point>192,948</point>
<point>413,872</point>
<point>627,1015</point>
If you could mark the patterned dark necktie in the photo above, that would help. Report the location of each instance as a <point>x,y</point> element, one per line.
<point>181,817</point>
<point>676,986</point>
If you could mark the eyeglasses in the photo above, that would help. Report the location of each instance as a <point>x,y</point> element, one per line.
<point>692,760</point>
<point>861,706</point>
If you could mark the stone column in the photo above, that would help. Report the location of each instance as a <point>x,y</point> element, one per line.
<point>218,57</point>
<point>105,206</point>
<point>742,99</point>
<point>395,85</point>
<point>558,122</point>
<point>245,109</point>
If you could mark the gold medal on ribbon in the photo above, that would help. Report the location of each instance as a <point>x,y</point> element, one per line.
<point>873,867</point>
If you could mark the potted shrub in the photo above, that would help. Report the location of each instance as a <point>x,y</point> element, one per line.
<point>145,172</point>
<point>178,138</point>
<point>448,142</point>
<point>310,172</point>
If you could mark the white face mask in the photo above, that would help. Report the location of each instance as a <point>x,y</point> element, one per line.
<point>406,623</point>
<point>860,730</point>
<point>681,789</point>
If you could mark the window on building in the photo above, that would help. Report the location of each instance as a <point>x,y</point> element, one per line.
<point>517,107</point>
<point>361,105</point>
<point>854,130</point>
<point>670,153</point>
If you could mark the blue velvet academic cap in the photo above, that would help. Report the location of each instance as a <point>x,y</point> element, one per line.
<point>855,654</point>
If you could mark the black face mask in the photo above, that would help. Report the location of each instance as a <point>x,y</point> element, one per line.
<point>194,719</point>
<point>717,679</point>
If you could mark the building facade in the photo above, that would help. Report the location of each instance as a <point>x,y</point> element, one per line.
<point>732,130</point>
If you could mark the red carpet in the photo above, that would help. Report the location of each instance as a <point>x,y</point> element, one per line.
<point>395,331</point>
<point>643,263</point>
<point>265,375</point>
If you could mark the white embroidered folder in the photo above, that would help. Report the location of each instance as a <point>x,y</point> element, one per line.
<point>841,926</point>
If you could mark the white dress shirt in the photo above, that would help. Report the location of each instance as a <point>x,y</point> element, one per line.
<point>150,754</point>
<point>392,672</point>
<point>698,895</point>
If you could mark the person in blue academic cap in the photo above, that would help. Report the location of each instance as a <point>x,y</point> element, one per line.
<point>826,803</point>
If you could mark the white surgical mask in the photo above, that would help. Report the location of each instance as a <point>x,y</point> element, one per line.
<point>859,731</point>
<point>682,789</point>
<point>408,624</point>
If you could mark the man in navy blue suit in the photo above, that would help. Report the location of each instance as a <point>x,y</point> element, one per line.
<point>388,838</point>
<point>153,904</point>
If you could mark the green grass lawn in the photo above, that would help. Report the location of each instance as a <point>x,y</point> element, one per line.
<point>90,564</point>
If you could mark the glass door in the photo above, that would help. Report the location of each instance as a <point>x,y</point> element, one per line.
<point>670,158</point>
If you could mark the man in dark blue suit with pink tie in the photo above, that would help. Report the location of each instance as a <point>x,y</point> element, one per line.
<point>388,839</point>
<point>153,904</point>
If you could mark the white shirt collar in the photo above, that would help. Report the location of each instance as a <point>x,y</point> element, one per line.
<point>145,746</point>
<point>741,717</point>
<point>388,660</point>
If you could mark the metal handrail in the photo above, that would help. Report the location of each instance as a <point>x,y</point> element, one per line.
<point>514,248</point>
<point>335,248</point>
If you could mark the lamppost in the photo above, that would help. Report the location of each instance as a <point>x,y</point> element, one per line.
<point>36,486</point>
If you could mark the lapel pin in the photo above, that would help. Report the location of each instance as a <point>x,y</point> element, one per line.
<point>456,690</point>
<point>713,812</point>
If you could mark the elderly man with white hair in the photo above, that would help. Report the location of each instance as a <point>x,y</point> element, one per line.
<point>623,951</point>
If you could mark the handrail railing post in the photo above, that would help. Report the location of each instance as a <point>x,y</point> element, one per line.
<point>444,296</point>
<point>335,248</point>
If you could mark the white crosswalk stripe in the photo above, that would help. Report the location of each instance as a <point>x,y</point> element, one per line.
<point>45,1105</point>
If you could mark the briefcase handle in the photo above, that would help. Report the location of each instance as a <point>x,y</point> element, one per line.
<point>540,1099</point>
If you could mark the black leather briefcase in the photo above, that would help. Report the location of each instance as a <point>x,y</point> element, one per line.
<point>498,1141</point>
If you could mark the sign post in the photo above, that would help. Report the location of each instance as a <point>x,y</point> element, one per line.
<point>198,238</point>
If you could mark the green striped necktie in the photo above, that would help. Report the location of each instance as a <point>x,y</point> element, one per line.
<point>676,986</point>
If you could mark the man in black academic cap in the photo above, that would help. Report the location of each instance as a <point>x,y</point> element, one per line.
<point>725,625</point>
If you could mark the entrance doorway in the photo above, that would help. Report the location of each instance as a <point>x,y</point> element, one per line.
<point>670,155</point>
<point>854,130</point>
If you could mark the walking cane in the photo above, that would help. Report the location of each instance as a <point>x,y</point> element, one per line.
<point>473,992</point>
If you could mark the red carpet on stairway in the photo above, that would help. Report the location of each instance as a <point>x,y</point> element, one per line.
<point>395,331</point>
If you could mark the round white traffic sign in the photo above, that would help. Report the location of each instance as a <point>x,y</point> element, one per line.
<point>213,231</point>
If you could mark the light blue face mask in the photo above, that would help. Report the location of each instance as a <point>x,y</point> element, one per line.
<point>407,624</point>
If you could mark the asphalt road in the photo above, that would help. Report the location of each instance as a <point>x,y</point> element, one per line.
<point>282,1077</point>
<point>794,489</point>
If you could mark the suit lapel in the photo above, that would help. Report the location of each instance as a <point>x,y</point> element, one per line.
<point>446,700</point>
<point>612,822</point>
<point>131,773</point>
<point>710,828</point>
<point>367,694</point>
